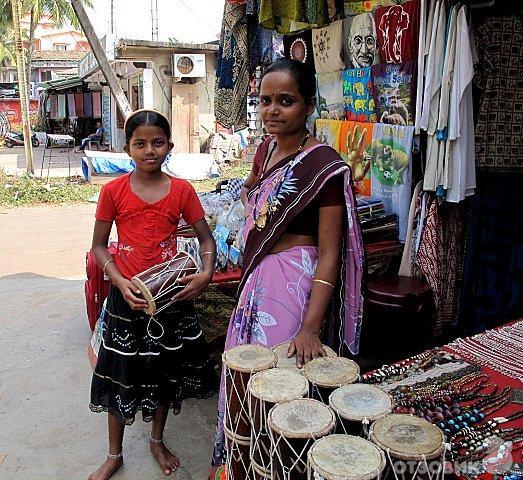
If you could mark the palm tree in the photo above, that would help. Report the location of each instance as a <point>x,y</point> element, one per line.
<point>6,33</point>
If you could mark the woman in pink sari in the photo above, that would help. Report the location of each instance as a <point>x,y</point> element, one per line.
<point>303,262</point>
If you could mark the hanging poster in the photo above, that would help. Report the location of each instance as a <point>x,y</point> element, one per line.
<point>397,28</point>
<point>299,47</point>
<point>360,47</point>
<point>355,146</point>
<point>358,95</point>
<point>327,46</point>
<point>328,132</point>
<point>395,92</point>
<point>330,95</point>
<point>391,166</point>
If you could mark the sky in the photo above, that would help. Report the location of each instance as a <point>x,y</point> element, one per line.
<point>185,20</point>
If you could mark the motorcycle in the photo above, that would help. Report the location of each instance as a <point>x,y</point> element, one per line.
<point>13,139</point>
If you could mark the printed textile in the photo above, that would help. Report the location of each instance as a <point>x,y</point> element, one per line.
<point>71,108</point>
<point>360,47</point>
<point>79,104</point>
<point>328,132</point>
<point>330,95</point>
<point>354,7</point>
<point>299,47</point>
<point>327,48</point>
<point>358,95</point>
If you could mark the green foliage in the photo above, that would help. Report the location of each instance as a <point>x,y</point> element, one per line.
<point>238,169</point>
<point>26,190</point>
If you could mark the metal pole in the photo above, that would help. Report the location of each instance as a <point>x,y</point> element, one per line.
<point>99,54</point>
<point>22,86</point>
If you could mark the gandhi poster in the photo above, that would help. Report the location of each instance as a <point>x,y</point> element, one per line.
<point>359,41</point>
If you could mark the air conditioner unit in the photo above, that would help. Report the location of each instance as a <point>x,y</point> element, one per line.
<point>189,65</point>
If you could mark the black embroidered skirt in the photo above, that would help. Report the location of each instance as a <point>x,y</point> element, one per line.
<point>144,362</point>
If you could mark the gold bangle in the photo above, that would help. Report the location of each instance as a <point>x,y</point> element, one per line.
<point>324,282</point>
<point>105,265</point>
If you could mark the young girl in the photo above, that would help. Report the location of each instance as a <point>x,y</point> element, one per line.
<point>144,363</point>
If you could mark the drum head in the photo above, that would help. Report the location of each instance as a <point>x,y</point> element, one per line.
<point>278,385</point>
<point>346,456</point>
<point>249,358</point>
<point>290,362</point>
<point>407,437</point>
<point>331,372</point>
<point>303,418</point>
<point>359,401</point>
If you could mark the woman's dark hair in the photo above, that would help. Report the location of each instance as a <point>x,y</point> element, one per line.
<point>146,117</point>
<point>302,74</point>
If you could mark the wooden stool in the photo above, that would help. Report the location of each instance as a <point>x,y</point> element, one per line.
<point>397,318</point>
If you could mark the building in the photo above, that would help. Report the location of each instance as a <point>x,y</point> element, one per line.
<point>150,79</point>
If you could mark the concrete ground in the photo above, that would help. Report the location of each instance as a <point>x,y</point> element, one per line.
<point>46,428</point>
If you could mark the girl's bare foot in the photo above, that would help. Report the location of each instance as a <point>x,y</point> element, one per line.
<point>166,459</point>
<point>107,469</point>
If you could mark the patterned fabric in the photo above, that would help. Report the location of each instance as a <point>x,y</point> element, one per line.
<point>232,69</point>
<point>299,47</point>
<point>499,128</point>
<point>358,95</point>
<point>328,132</point>
<point>261,316</point>
<point>260,40</point>
<point>294,15</point>
<point>327,48</point>
<point>354,7</point>
<point>145,362</point>
<point>330,95</point>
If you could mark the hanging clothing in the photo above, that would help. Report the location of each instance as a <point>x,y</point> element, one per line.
<point>260,39</point>
<point>293,15</point>
<point>328,132</point>
<point>232,69</point>
<point>395,92</point>
<point>327,47</point>
<point>358,95</point>
<point>355,7</point>
<point>391,163</point>
<point>330,95</point>
<point>407,265</point>
<point>397,29</point>
<point>299,47</point>
<point>97,104</point>
<point>53,107</point>
<point>79,104</point>
<point>499,132</point>
<point>460,168</point>
<point>360,46</point>
<point>88,105</point>
<point>423,27</point>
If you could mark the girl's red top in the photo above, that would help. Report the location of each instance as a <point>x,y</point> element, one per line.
<point>146,231</point>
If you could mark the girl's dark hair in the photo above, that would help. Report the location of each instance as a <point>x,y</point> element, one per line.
<point>146,117</point>
<point>302,74</point>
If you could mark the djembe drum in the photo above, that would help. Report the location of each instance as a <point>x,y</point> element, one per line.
<point>158,284</point>
<point>338,457</point>
<point>357,405</point>
<point>265,390</point>
<point>410,443</point>
<point>239,364</point>
<point>325,374</point>
<point>293,428</point>
<point>290,362</point>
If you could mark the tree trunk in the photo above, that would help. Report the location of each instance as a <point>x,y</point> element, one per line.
<point>29,56</point>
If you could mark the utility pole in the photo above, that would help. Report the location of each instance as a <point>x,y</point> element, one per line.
<point>22,85</point>
<point>112,17</point>
<point>99,54</point>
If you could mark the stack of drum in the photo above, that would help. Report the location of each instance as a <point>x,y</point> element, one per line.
<point>285,423</point>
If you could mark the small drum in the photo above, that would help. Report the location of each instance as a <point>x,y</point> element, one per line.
<point>325,374</point>
<point>158,284</point>
<point>345,457</point>
<point>290,362</point>
<point>265,390</point>
<point>357,405</point>
<point>409,443</point>
<point>238,461</point>
<point>239,363</point>
<point>293,428</point>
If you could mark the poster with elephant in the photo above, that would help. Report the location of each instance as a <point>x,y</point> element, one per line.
<point>355,145</point>
<point>395,92</point>
<point>391,170</point>
<point>358,95</point>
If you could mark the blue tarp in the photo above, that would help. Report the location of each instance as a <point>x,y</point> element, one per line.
<point>108,165</point>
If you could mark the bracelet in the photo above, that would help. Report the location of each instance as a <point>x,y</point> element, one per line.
<point>105,265</point>
<point>324,282</point>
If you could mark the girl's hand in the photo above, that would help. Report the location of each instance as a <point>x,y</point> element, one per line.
<point>130,292</point>
<point>195,284</point>
<point>307,345</point>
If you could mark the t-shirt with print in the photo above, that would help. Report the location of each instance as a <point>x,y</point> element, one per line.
<point>358,95</point>
<point>146,231</point>
<point>397,28</point>
<point>395,92</point>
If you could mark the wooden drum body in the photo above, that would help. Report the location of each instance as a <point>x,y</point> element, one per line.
<point>293,427</point>
<point>238,462</point>
<point>266,389</point>
<point>358,405</point>
<point>325,374</point>
<point>338,457</point>
<point>158,284</point>
<point>414,446</point>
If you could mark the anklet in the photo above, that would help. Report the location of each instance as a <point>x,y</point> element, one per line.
<point>155,440</point>
<point>115,456</point>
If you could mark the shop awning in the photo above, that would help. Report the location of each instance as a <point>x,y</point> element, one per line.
<point>62,84</point>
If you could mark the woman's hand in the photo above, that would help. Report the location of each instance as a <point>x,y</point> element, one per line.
<point>195,284</point>
<point>307,345</point>
<point>130,292</point>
